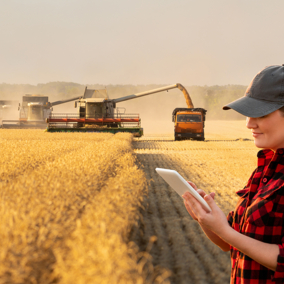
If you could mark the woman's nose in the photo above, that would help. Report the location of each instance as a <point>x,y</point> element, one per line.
<point>251,123</point>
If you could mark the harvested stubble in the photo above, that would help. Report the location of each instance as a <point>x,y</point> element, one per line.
<point>220,166</point>
<point>68,203</point>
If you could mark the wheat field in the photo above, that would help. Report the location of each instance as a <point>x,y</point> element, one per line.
<point>223,164</point>
<point>68,203</point>
<point>89,207</point>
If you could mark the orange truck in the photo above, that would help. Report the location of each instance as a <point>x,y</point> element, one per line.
<point>189,123</point>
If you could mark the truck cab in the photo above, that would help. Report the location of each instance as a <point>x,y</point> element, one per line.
<point>189,123</point>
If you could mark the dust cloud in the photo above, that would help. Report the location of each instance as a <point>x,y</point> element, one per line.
<point>9,110</point>
<point>10,114</point>
<point>154,110</point>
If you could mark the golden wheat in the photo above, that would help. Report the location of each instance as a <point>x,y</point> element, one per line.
<point>75,208</point>
<point>68,203</point>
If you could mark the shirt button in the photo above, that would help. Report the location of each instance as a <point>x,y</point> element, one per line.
<point>264,180</point>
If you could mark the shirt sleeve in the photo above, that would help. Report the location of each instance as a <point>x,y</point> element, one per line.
<point>278,275</point>
<point>230,218</point>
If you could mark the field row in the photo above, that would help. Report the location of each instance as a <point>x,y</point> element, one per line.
<point>181,246</point>
<point>90,208</point>
<point>68,204</point>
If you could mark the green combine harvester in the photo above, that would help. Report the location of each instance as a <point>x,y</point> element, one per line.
<point>97,113</point>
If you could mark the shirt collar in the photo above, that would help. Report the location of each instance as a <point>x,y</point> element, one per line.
<point>268,153</point>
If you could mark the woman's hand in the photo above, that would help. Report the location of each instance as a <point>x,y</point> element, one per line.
<point>194,214</point>
<point>216,227</point>
<point>202,194</point>
<point>215,220</point>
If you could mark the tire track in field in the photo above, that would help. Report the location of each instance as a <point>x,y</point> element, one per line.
<point>181,245</point>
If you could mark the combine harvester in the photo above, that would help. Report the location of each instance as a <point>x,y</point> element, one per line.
<point>33,112</point>
<point>98,113</point>
<point>7,109</point>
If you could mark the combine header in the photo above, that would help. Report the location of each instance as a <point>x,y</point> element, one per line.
<point>75,123</point>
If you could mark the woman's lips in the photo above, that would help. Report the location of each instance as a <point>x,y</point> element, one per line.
<point>255,134</point>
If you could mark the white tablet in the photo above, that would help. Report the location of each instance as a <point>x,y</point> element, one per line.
<point>180,185</point>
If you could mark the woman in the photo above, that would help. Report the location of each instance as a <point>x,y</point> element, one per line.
<point>254,231</point>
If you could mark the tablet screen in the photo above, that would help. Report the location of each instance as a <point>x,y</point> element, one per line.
<point>180,185</point>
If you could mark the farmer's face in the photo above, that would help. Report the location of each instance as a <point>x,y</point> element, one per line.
<point>268,130</point>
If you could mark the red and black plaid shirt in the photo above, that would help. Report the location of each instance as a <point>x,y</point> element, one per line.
<point>259,215</point>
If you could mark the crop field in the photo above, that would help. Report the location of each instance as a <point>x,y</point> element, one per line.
<point>90,208</point>
<point>68,203</point>
<point>222,164</point>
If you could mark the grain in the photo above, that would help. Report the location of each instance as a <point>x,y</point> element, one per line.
<point>68,202</point>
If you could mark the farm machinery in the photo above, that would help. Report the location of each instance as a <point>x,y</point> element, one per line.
<point>96,112</point>
<point>6,106</point>
<point>189,123</point>
<point>33,112</point>
<point>7,109</point>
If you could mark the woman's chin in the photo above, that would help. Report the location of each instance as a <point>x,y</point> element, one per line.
<point>259,144</point>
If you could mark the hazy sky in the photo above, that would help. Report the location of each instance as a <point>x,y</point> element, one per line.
<point>193,42</point>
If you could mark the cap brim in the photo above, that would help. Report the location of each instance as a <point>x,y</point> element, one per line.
<point>250,107</point>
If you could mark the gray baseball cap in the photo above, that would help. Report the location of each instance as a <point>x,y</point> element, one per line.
<point>264,94</point>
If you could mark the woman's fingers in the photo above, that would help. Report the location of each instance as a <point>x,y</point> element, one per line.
<point>194,204</point>
<point>212,194</point>
<point>210,200</point>
<point>192,184</point>
<point>189,210</point>
<point>216,220</point>
<point>201,192</point>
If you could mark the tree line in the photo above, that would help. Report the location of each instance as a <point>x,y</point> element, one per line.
<point>211,98</point>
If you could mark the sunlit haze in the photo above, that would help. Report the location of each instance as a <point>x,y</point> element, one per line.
<point>139,42</point>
